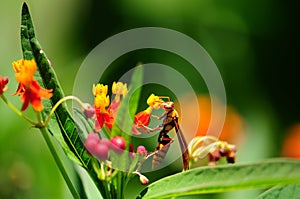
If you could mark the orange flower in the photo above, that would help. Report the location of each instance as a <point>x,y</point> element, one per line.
<point>233,128</point>
<point>29,89</point>
<point>3,82</point>
<point>291,147</point>
<point>142,119</point>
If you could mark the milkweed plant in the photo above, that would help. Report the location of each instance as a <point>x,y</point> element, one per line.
<point>103,147</point>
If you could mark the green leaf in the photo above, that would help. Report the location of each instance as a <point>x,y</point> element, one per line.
<point>47,78</point>
<point>290,191</point>
<point>123,121</point>
<point>62,125</point>
<point>226,178</point>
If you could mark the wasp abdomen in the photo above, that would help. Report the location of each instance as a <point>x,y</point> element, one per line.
<point>160,155</point>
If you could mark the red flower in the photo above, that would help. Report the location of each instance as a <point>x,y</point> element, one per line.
<point>101,101</point>
<point>113,107</point>
<point>104,118</point>
<point>29,89</point>
<point>3,82</point>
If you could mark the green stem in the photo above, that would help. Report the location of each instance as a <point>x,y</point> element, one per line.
<point>59,163</point>
<point>14,109</point>
<point>50,145</point>
<point>59,103</point>
<point>120,185</point>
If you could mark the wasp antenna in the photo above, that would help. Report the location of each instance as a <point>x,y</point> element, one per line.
<point>164,97</point>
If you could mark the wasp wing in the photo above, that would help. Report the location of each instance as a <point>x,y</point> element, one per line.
<point>183,146</point>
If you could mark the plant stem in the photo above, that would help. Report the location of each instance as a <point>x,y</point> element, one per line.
<point>57,160</point>
<point>14,109</point>
<point>59,103</point>
<point>59,163</point>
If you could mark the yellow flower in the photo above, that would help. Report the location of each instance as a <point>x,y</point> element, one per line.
<point>100,89</point>
<point>119,88</point>
<point>101,101</point>
<point>154,101</point>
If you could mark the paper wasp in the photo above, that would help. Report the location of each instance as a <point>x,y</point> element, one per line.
<point>170,121</point>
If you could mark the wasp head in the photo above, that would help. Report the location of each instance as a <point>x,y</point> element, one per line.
<point>167,105</point>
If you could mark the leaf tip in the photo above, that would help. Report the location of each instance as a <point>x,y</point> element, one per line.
<point>25,8</point>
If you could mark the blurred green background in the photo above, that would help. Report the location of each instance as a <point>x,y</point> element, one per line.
<point>255,45</point>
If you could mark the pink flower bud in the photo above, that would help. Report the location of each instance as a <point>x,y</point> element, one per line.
<point>117,144</point>
<point>141,150</point>
<point>143,179</point>
<point>91,142</point>
<point>101,151</point>
<point>90,145</point>
<point>88,110</point>
<point>105,142</point>
<point>93,136</point>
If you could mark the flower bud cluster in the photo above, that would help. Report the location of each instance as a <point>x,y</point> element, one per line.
<point>97,147</point>
<point>211,147</point>
<point>223,149</point>
<point>100,148</point>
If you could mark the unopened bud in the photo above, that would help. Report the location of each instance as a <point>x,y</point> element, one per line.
<point>144,180</point>
<point>101,151</point>
<point>141,150</point>
<point>88,110</point>
<point>117,144</point>
<point>91,142</point>
<point>231,157</point>
<point>214,155</point>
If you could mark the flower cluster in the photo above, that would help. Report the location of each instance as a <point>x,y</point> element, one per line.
<point>29,89</point>
<point>222,149</point>
<point>3,83</point>
<point>110,153</point>
<point>214,149</point>
<point>105,112</point>
<point>106,115</point>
